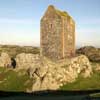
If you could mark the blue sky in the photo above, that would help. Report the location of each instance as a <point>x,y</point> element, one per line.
<point>20,20</point>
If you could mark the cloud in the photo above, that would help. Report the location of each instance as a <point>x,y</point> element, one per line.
<point>88,30</point>
<point>86,21</point>
<point>20,39</point>
<point>17,21</point>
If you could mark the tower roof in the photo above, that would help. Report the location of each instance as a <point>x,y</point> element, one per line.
<point>62,13</point>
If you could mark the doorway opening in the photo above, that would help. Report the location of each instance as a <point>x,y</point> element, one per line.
<point>13,62</point>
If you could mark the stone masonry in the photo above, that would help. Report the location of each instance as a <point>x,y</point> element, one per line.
<point>57,38</point>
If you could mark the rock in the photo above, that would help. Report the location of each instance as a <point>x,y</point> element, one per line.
<point>81,65</point>
<point>5,60</point>
<point>25,61</point>
<point>91,52</point>
<point>42,70</point>
<point>49,83</point>
<point>96,67</point>
<point>37,83</point>
<point>50,75</point>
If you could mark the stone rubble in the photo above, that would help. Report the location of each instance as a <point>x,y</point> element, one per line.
<point>47,74</point>
<point>25,61</point>
<point>5,60</point>
<point>50,75</point>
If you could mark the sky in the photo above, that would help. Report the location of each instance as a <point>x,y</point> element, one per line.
<point>20,20</point>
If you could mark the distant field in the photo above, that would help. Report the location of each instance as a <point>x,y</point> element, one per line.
<point>13,50</point>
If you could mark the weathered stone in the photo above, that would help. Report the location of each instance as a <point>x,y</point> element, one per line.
<point>57,34</point>
<point>5,60</point>
<point>82,65</point>
<point>53,75</point>
<point>49,83</point>
<point>37,83</point>
<point>25,61</point>
<point>41,71</point>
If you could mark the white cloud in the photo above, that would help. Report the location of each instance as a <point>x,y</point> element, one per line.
<point>88,30</point>
<point>18,21</point>
<point>90,21</point>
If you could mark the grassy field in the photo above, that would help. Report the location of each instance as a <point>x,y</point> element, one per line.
<point>13,50</point>
<point>14,81</point>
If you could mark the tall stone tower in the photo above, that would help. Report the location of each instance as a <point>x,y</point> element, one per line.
<point>57,38</point>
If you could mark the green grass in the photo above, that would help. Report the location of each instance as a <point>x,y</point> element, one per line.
<point>12,81</point>
<point>84,84</point>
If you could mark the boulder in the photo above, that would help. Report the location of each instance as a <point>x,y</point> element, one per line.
<point>25,61</point>
<point>49,83</point>
<point>96,67</point>
<point>91,52</point>
<point>5,60</point>
<point>81,65</point>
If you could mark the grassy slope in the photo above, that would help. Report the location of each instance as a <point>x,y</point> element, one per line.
<point>14,81</point>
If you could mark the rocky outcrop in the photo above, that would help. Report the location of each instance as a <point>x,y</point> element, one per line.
<point>91,52</point>
<point>81,65</point>
<point>25,61</point>
<point>5,60</point>
<point>96,67</point>
<point>51,75</point>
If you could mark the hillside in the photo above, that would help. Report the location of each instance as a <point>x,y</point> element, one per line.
<point>91,52</point>
<point>13,50</point>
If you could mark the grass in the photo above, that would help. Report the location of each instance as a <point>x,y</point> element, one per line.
<point>12,81</point>
<point>84,84</point>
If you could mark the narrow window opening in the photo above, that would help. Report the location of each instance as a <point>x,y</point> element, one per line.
<point>51,25</point>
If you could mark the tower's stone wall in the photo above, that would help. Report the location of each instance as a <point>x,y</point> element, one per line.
<point>57,34</point>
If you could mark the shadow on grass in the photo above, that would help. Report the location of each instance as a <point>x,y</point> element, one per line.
<point>49,95</point>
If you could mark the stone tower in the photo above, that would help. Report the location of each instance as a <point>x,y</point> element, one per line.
<point>57,38</point>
